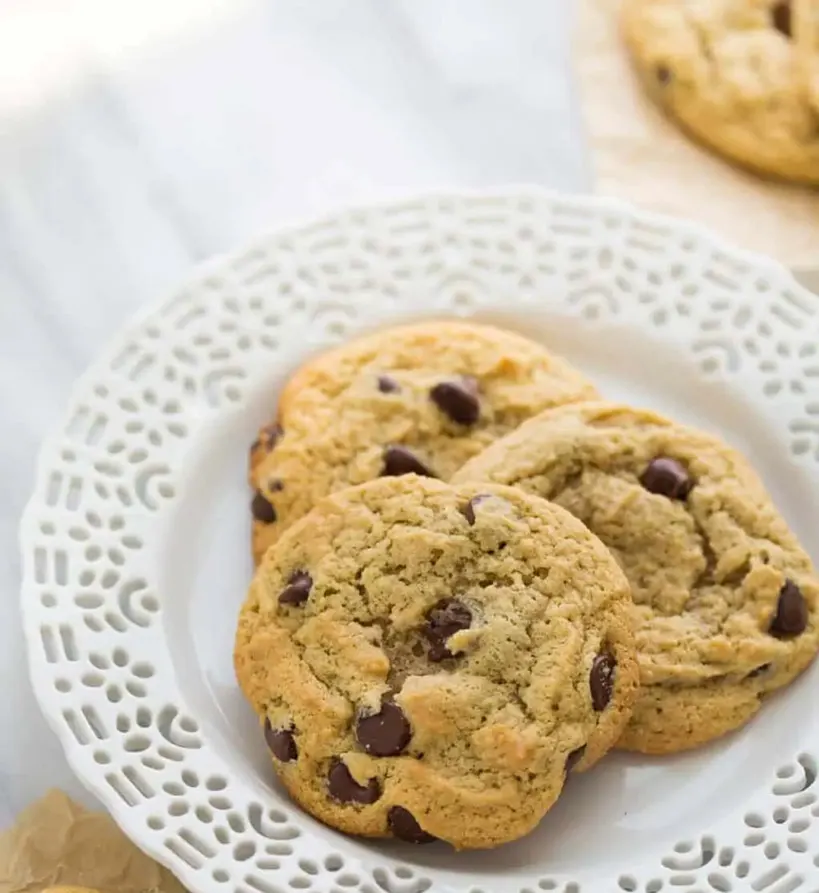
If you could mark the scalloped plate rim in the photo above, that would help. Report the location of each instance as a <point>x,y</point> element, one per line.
<point>128,818</point>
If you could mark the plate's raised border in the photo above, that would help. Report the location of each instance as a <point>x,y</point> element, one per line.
<point>91,611</point>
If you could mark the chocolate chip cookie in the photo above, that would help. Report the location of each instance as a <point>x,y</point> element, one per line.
<point>429,662</point>
<point>416,399</point>
<point>741,76</point>
<point>725,599</point>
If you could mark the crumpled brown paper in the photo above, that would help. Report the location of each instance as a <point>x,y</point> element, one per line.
<point>58,842</point>
<point>641,156</point>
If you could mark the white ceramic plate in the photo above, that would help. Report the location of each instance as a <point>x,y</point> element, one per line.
<point>136,553</point>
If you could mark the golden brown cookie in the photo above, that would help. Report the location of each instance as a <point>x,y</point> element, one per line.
<point>430,661</point>
<point>421,398</point>
<point>725,598</point>
<point>741,76</point>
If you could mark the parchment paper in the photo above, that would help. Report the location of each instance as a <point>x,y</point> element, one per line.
<point>58,842</point>
<point>641,156</point>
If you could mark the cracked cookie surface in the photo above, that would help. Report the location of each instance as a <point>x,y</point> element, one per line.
<point>421,398</point>
<point>432,661</point>
<point>725,598</point>
<point>741,76</point>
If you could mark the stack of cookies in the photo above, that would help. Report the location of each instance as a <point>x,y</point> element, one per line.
<point>475,577</point>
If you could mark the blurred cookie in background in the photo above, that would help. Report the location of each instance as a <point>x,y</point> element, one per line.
<point>740,76</point>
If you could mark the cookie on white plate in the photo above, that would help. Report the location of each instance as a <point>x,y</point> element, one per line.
<point>420,398</point>
<point>430,661</point>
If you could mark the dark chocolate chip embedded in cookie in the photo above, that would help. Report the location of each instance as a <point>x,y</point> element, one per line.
<point>444,619</point>
<point>268,437</point>
<point>385,733</point>
<point>718,578</point>
<point>419,682</point>
<point>281,742</point>
<point>791,617</point>
<point>664,74</point>
<point>266,440</point>
<point>262,509</point>
<point>782,17</point>
<point>471,506</point>
<point>400,460</point>
<point>297,590</point>
<point>404,826</point>
<point>346,789</point>
<point>417,399</point>
<point>388,385</point>
<point>667,477</point>
<point>601,680</point>
<point>458,400</point>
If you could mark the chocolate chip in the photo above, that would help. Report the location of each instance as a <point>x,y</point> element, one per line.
<point>469,509</point>
<point>275,485</point>
<point>458,400</point>
<point>271,434</point>
<point>297,589</point>
<point>386,733</point>
<point>403,825</point>
<point>574,758</point>
<point>438,652</point>
<point>444,619</point>
<point>781,18</point>
<point>261,509</point>
<point>399,460</point>
<point>791,616</point>
<point>601,680</point>
<point>387,384</point>
<point>281,742</point>
<point>268,437</point>
<point>663,73</point>
<point>345,788</point>
<point>667,477</point>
